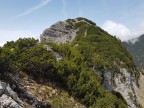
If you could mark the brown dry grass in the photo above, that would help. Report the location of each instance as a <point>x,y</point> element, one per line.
<point>46,91</point>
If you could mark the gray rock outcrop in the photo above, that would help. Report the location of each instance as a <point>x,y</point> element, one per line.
<point>25,95</point>
<point>122,83</point>
<point>58,33</point>
<point>8,98</point>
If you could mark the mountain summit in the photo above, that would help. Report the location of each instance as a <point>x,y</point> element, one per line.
<point>75,65</point>
<point>102,52</point>
<point>63,31</point>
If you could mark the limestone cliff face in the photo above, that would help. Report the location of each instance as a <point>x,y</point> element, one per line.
<point>58,33</point>
<point>122,83</point>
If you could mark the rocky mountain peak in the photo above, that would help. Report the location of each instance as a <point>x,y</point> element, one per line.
<point>92,67</point>
<point>58,33</point>
<point>121,82</point>
<point>63,31</point>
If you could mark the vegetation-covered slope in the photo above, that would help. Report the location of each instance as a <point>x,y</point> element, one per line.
<point>136,49</point>
<point>80,69</point>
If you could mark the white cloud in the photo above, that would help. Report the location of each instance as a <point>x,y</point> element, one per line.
<point>64,8</point>
<point>132,41</point>
<point>12,35</point>
<point>121,31</point>
<point>1,44</point>
<point>30,10</point>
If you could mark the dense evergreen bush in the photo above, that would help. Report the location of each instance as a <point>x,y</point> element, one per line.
<point>76,71</point>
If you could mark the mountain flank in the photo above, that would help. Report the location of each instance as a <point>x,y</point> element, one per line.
<point>75,65</point>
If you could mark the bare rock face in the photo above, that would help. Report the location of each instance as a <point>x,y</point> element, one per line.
<point>58,33</point>
<point>140,91</point>
<point>25,95</point>
<point>8,102</point>
<point>122,83</point>
<point>8,98</point>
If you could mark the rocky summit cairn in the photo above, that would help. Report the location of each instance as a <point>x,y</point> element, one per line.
<point>58,33</point>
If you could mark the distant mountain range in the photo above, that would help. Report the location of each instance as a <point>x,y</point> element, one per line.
<point>136,49</point>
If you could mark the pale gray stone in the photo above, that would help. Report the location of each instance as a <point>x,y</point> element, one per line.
<point>58,33</point>
<point>8,102</point>
<point>113,82</point>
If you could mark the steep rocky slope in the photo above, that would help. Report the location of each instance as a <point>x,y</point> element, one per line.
<point>20,89</point>
<point>136,49</point>
<point>27,93</point>
<point>76,64</point>
<point>121,81</point>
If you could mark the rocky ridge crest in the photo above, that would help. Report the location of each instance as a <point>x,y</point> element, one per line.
<point>122,83</point>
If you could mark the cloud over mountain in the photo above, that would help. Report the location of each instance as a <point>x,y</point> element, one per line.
<point>121,31</point>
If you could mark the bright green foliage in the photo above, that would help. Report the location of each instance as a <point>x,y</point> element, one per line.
<point>89,21</point>
<point>76,73</point>
<point>26,55</point>
<point>93,49</point>
<point>104,45</point>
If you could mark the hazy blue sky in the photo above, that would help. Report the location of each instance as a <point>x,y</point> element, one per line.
<point>26,18</point>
